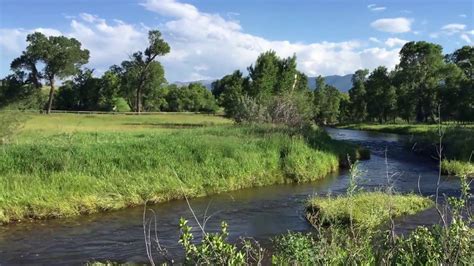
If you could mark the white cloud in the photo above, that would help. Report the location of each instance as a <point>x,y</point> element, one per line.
<point>462,15</point>
<point>375,40</point>
<point>466,38</point>
<point>201,38</point>
<point>395,42</point>
<point>205,45</point>
<point>453,28</point>
<point>108,44</point>
<point>392,25</point>
<point>374,7</point>
<point>12,43</point>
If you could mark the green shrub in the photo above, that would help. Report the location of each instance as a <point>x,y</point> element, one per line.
<point>326,246</point>
<point>215,250</point>
<point>294,248</point>
<point>436,245</point>
<point>121,105</point>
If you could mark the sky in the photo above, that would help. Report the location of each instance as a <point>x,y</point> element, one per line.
<point>212,38</point>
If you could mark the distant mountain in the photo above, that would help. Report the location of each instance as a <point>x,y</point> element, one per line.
<point>343,83</point>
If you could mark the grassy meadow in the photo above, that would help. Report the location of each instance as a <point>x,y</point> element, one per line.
<point>65,165</point>
<point>458,142</point>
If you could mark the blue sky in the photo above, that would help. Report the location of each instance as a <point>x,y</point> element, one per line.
<point>210,38</point>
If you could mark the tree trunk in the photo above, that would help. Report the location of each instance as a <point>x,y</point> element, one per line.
<point>138,101</point>
<point>34,74</point>
<point>51,96</point>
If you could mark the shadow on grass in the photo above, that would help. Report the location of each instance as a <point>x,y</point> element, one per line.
<point>170,125</point>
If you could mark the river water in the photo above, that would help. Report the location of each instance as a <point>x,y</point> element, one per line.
<point>260,213</point>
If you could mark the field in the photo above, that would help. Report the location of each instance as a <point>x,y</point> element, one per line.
<point>65,165</point>
<point>457,142</point>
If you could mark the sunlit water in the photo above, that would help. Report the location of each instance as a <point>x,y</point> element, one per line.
<point>260,213</point>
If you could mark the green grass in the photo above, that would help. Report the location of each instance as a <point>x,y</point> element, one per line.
<point>368,209</point>
<point>72,123</point>
<point>66,165</point>
<point>453,167</point>
<point>405,129</point>
<point>458,142</point>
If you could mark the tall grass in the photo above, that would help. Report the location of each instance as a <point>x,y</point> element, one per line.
<point>369,209</point>
<point>55,175</point>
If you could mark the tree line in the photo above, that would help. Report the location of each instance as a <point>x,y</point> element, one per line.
<point>425,85</point>
<point>136,84</point>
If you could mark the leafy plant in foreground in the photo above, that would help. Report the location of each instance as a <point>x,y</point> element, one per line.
<point>215,250</point>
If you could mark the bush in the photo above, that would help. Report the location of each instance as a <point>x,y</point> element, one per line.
<point>121,105</point>
<point>294,248</point>
<point>290,109</point>
<point>215,250</point>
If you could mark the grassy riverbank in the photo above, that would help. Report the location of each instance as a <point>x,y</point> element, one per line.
<point>458,142</point>
<point>66,165</point>
<point>367,209</point>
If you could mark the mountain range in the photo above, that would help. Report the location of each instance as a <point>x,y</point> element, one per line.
<point>342,83</point>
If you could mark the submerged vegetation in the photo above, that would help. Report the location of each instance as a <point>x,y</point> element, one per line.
<point>78,170</point>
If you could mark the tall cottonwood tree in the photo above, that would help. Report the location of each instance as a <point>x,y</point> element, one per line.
<point>326,102</point>
<point>27,63</point>
<point>358,95</point>
<point>460,89</point>
<point>143,69</point>
<point>229,91</point>
<point>381,97</point>
<point>264,75</point>
<point>61,56</point>
<point>419,77</point>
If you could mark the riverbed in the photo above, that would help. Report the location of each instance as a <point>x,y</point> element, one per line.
<point>260,213</point>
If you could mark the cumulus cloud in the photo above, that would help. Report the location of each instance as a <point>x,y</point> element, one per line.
<point>374,7</point>
<point>205,45</point>
<point>12,43</point>
<point>395,42</point>
<point>199,38</point>
<point>392,25</point>
<point>107,43</point>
